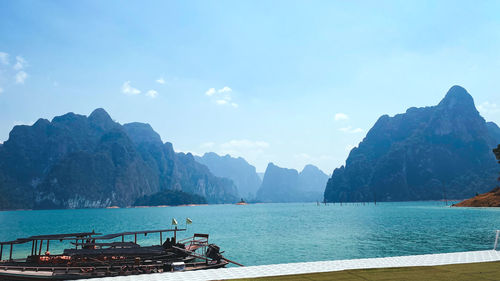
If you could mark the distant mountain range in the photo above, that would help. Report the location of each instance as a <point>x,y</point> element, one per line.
<point>237,169</point>
<point>288,185</point>
<point>278,184</point>
<point>424,154</point>
<point>76,161</point>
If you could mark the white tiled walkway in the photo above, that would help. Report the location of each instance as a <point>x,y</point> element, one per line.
<point>320,266</point>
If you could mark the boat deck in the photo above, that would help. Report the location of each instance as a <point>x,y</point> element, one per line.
<point>320,266</point>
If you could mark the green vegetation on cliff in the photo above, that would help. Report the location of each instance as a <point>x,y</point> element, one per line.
<point>170,198</point>
<point>75,161</point>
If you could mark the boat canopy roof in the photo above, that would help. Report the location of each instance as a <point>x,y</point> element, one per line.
<point>65,236</point>
<point>115,235</point>
<point>83,235</point>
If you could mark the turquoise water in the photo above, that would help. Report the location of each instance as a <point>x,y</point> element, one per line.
<point>281,233</point>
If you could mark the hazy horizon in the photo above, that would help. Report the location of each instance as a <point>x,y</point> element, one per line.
<point>292,83</point>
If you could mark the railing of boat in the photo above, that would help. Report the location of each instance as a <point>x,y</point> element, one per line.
<point>496,240</point>
<point>195,240</point>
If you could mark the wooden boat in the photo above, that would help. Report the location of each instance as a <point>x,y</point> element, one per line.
<point>94,255</point>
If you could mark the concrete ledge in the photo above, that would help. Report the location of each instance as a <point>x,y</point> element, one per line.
<point>314,267</point>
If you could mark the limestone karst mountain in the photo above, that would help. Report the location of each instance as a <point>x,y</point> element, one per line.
<point>288,185</point>
<point>238,170</point>
<point>424,154</point>
<point>75,161</point>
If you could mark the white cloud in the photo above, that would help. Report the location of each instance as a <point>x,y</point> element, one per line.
<point>351,130</point>
<point>225,89</point>
<point>324,156</point>
<point>254,151</point>
<point>210,92</point>
<point>160,80</point>
<point>21,76</point>
<point>341,116</point>
<point>357,130</point>
<point>20,63</point>
<point>4,58</point>
<point>18,69</point>
<point>244,144</point>
<point>488,107</point>
<point>152,94</point>
<point>303,156</point>
<point>222,96</point>
<point>129,90</point>
<point>207,145</point>
<point>18,123</point>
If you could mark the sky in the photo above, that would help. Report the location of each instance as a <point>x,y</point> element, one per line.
<point>288,82</point>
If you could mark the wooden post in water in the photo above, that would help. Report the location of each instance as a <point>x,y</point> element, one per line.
<point>36,247</point>
<point>135,238</point>
<point>161,238</point>
<point>48,245</point>
<point>444,195</point>
<point>10,256</point>
<point>1,251</point>
<point>32,246</point>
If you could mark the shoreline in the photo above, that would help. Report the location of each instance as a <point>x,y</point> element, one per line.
<point>247,203</point>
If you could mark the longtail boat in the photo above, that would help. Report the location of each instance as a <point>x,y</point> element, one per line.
<point>95,255</point>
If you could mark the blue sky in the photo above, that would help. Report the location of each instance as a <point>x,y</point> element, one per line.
<point>292,82</point>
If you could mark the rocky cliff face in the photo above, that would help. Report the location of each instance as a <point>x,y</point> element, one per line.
<point>312,179</point>
<point>238,170</point>
<point>279,185</point>
<point>424,154</point>
<point>287,185</point>
<point>76,161</point>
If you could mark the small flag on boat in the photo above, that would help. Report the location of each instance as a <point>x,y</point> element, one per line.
<point>189,221</point>
<point>174,222</point>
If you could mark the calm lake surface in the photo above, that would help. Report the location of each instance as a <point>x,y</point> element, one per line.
<point>281,233</point>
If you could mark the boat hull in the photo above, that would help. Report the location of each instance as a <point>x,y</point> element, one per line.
<point>75,273</point>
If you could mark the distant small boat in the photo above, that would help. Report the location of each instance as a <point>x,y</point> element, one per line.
<point>242,202</point>
<point>93,255</point>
